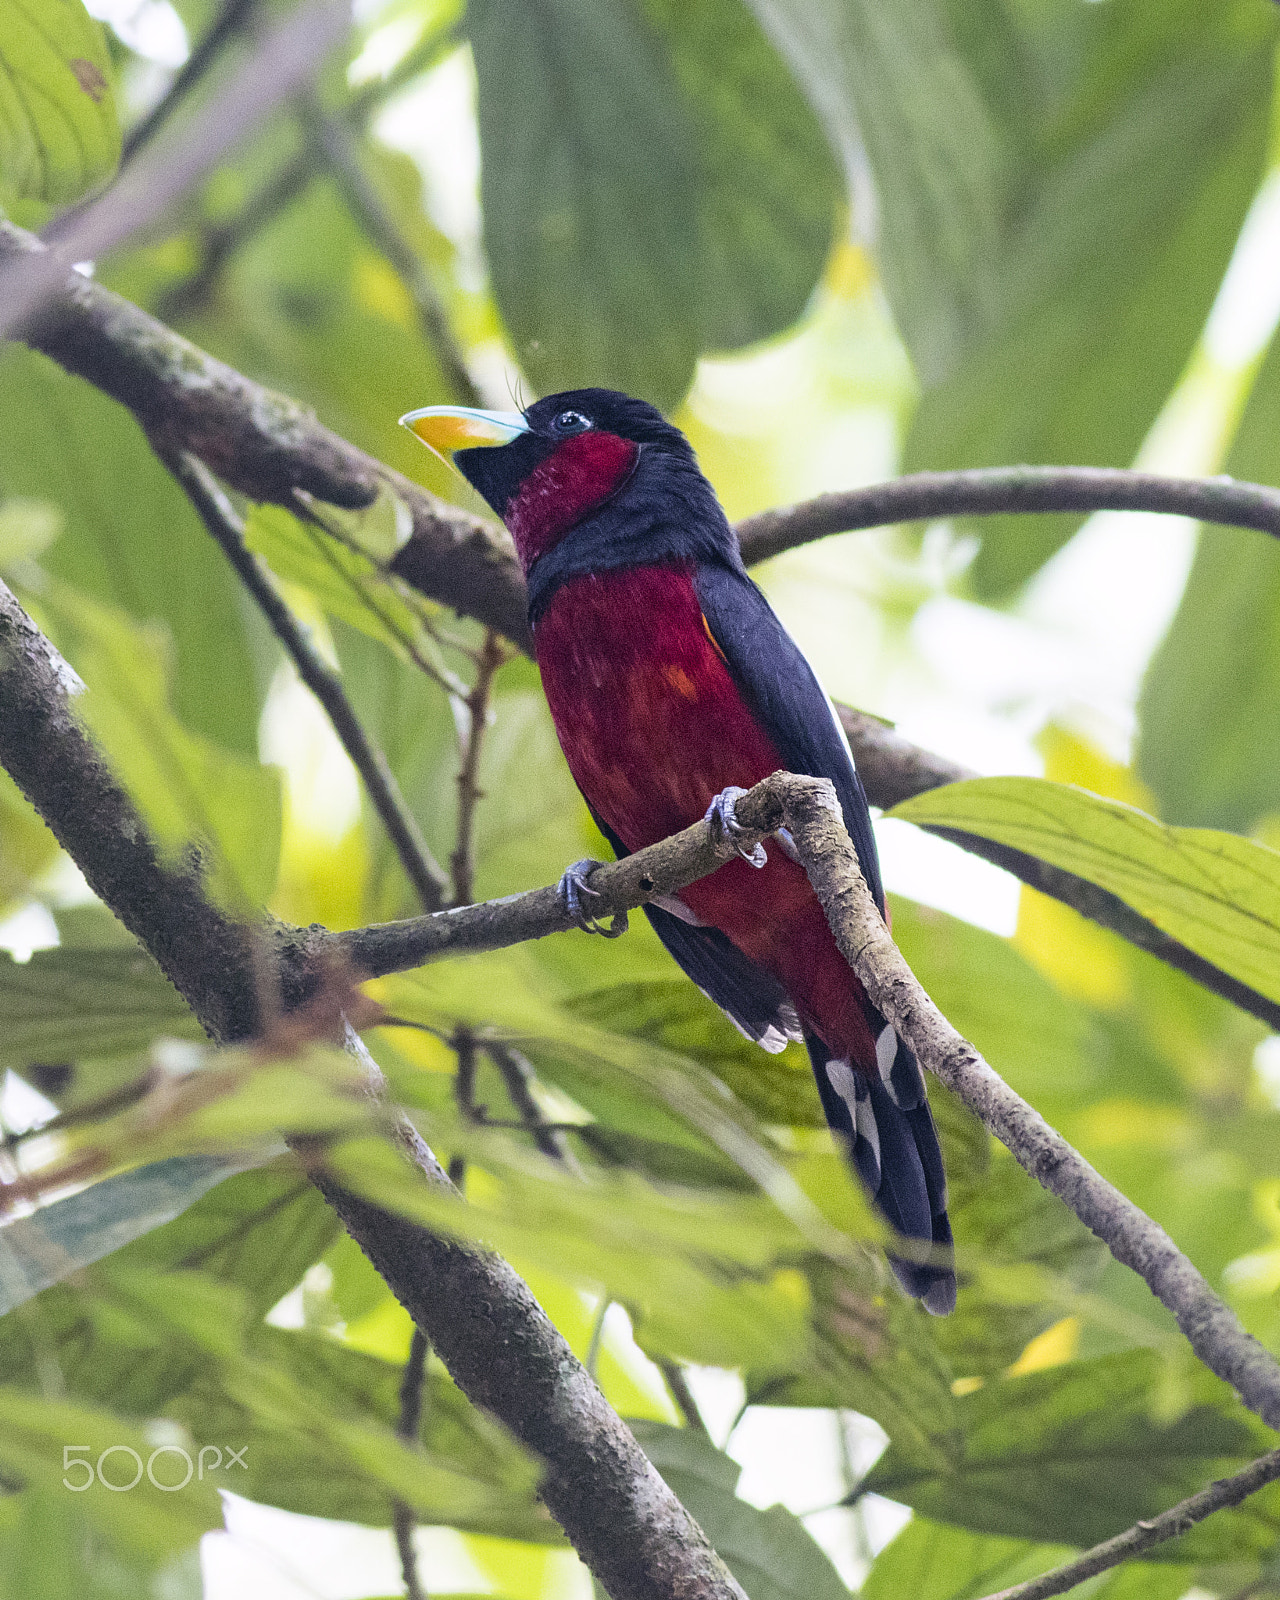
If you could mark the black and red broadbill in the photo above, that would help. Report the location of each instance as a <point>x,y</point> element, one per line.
<point>673,685</point>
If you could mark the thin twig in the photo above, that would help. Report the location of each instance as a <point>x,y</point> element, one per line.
<point>811,813</point>
<point>407,1428</point>
<point>320,530</point>
<point>222,521</point>
<point>682,1394</point>
<point>518,1076</point>
<point>987,491</point>
<point>1155,1530</point>
<point>224,27</point>
<point>462,861</point>
<point>482,1319</point>
<point>269,448</point>
<point>464,1092</point>
<point>333,138</point>
<point>219,241</point>
<point>285,58</point>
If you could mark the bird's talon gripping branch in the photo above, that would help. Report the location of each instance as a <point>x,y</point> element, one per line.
<point>573,886</point>
<point>720,816</point>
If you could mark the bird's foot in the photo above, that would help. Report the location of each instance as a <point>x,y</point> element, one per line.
<point>720,816</point>
<point>573,888</point>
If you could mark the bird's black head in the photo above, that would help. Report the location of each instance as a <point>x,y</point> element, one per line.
<point>590,467</point>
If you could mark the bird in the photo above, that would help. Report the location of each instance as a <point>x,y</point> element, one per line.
<point>674,687</point>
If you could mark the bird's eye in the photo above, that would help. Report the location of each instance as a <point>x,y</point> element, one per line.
<point>569,422</point>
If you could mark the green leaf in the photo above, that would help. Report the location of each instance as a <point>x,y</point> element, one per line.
<point>65,1004</point>
<point>653,187</point>
<point>888,82</point>
<point>60,1238</point>
<point>27,848</point>
<point>58,127</point>
<point>191,792</point>
<point>770,1552</point>
<point>931,1561</point>
<point>36,1430</point>
<point>130,537</point>
<point>470,1472</point>
<point>1209,716</point>
<point>1071,1455</point>
<point>1126,197</point>
<point>673,1013</point>
<point>347,584</point>
<point>259,1231</point>
<point>1216,893</point>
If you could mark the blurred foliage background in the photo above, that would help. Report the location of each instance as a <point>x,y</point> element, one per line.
<point>835,239</point>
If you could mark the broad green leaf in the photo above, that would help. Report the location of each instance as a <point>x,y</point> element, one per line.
<point>346,583</point>
<point>673,1013</point>
<point>1216,893</point>
<point>1009,1221</point>
<point>1070,1455</point>
<point>259,1231</point>
<point>770,1552</point>
<point>932,1561</point>
<point>411,720</point>
<point>1209,716</point>
<point>66,1004</point>
<point>58,127</point>
<point>874,1354</point>
<point>131,537</point>
<point>707,1277</point>
<point>60,1238</point>
<point>1046,1045</point>
<point>472,1474</point>
<point>35,1433</point>
<point>192,793</point>
<point>653,187</point>
<point>892,91</point>
<point>27,848</point>
<point>1126,197</point>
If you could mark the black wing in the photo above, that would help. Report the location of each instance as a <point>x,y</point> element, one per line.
<point>750,997</point>
<point>881,1113</point>
<point>781,689</point>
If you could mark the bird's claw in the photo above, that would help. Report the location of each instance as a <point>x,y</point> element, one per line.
<point>572,888</point>
<point>720,816</point>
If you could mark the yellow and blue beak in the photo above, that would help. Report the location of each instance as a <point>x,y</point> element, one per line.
<point>448,429</point>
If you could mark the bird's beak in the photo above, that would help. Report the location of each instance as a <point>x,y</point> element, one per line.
<point>445,429</point>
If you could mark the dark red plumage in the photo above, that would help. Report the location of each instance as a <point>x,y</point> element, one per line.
<point>562,489</point>
<point>653,728</point>
<point>670,679</point>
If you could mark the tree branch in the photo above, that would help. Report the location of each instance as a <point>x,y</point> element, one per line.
<point>402,1519</point>
<point>333,139</point>
<point>286,56</point>
<point>986,491</point>
<point>1133,1541</point>
<point>267,447</point>
<point>518,1076</point>
<point>808,808</point>
<point>220,518</point>
<point>462,864</point>
<point>479,1315</point>
<point>224,27</point>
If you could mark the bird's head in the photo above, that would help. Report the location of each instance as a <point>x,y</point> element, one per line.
<point>554,467</point>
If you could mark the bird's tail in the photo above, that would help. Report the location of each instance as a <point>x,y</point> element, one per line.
<point>885,1121</point>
